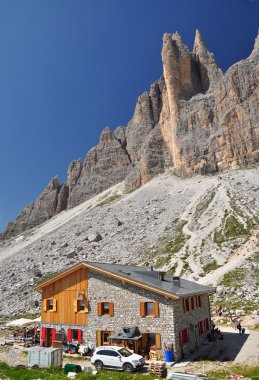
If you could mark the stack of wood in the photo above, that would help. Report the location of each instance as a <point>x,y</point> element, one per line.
<point>158,368</point>
<point>153,355</point>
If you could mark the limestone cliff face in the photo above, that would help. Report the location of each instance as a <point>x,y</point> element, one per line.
<point>105,165</point>
<point>210,122</point>
<point>193,119</point>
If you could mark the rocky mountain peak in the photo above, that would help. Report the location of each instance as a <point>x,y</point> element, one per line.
<point>199,47</point>
<point>193,120</point>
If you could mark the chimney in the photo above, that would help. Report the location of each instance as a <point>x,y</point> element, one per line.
<point>161,276</point>
<point>176,281</point>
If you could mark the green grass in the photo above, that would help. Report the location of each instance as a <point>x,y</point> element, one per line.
<point>18,316</point>
<point>213,265</point>
<point>111,199</point>
<point>166,246</point>
<point>233,277</point>
<point>128,190</point>
<point>231,229</point>
<point>201,208</point>
<point>16,373</point>
<point>185,268</point>
<point>47,276</point>
<point>251,372</point>
<point>171,271</point>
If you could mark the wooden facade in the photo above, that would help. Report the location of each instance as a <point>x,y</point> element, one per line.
<point>64,295</point>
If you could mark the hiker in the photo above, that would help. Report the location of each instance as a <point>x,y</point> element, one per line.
<point>239,327</point>
<point>234,321</point>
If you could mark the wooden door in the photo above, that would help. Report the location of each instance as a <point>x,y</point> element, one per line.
<point>48,337</point>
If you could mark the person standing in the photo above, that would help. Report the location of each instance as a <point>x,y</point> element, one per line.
<point>239,327</point>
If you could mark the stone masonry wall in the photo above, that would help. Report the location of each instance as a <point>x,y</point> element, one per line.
<point>126,299</point>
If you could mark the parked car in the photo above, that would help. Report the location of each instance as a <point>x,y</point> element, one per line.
<point>116,357</point>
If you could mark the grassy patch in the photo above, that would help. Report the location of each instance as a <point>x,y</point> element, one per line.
<point>16,373</point>
<point>235,276</point>
<point>236,303</point>
<point>167,245</point>
<point>202,207</point>
<point>186,268</point>
<point>27,316</point>
<point>213,265</point>
<point>251,372</point>
<point>172,270</point>
<point>231,229</point>
<point>111,199</point>
<point>128,190</point>
<point>48,276</point>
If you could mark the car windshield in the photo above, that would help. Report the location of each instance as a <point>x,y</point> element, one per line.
<point>124,352</point>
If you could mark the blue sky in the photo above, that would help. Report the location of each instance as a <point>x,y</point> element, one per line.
<point>69,68</point>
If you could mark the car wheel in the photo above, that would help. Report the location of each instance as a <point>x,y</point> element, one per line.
<point>128,368</point>
<point>98,365</point>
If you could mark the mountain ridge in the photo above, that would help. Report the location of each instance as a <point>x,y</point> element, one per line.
<point>194,119</point>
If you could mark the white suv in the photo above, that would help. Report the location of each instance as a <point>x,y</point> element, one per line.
<point>116,357</point>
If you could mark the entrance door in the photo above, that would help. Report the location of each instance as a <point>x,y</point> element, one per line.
<point>102,337</point>
<point>48,337</point>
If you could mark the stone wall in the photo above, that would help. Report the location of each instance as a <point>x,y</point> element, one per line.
<point>126,299</point>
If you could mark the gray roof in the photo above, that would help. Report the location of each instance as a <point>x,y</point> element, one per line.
<point>146,276</point>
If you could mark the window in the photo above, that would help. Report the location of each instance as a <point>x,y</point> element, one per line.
<point>50,305</point>
<point>124,352</point>
<point>203,326</point>
<point>105,308</point>
<point>191,303</point>
<point>187,308</point>
<point>113,353</point>
<point>80,306</point>
<point>184,336</point>
<point>74,335</point>
<point>149,309</point>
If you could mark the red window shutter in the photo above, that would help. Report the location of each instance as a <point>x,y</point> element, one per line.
<point>184,310</point>
<point>79,336</point>
<point>188,334</point>
<point>43,334</point>
<point>69,335</point>
<point>181,338</point>
<point>207,324</point>
<point>53,333</point>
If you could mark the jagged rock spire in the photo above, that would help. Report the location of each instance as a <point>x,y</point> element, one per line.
<point>210,73</point>
<point>200,49</point>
